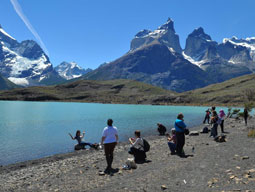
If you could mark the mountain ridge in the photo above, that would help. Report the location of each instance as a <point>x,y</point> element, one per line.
<point>218,61</point>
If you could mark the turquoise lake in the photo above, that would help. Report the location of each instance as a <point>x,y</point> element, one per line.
<point>31,130</point>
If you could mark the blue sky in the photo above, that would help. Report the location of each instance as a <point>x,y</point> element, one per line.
<point>91,32</point>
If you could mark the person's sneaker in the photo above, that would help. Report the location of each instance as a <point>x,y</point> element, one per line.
<point>107,170</point>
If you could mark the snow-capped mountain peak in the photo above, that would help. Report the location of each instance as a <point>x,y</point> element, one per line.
<point>4,33</point>
<point>24,63</point>
<point>70,70</point>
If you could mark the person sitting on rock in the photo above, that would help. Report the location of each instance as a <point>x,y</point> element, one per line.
<point>137,147</point>
<point>81,144</point>
<point>161,129</point>
<point>172,141</point>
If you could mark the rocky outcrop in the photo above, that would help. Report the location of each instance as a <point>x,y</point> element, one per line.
<point>165,34</point>
<point>199,46</point>
<point>5,84</point>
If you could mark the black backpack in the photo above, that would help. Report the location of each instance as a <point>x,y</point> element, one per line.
<point>205,130</point>
<point>146,145</point>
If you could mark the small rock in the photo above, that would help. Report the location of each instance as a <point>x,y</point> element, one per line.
<point>232,176</point>
<point>245,157</point>
<point>238,167</point>
<point>163,187</point>
<point>101,173</point>
<point>247,176</point>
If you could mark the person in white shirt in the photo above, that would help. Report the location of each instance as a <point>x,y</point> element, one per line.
<point>137,147</point>
<point>109,140</point>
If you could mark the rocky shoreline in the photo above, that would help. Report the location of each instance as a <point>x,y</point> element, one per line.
<point>212,166</point>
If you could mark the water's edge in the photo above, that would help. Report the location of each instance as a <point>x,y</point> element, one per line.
<point>61,156</point>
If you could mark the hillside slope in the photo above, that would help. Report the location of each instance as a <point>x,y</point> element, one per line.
<point>231,91</point>
<point>6,84</point>
<point>112,91</point>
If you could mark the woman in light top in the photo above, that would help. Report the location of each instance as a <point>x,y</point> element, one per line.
<point>109,139</point>
<point>137,147</point>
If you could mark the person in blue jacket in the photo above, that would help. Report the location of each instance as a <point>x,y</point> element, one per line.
<point>180,136</point>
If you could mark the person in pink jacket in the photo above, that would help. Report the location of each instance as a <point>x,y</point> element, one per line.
<point>222,116</point>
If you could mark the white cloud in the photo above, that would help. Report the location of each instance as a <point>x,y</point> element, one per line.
<point>19,11</point>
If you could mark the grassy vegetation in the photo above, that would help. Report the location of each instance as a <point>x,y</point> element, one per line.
<point>231,91</point>
<point>251,133</point>
<point>238,91</point>
<point>112,91</point>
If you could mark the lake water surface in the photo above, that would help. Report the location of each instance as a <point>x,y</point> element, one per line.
<point>31,130</point>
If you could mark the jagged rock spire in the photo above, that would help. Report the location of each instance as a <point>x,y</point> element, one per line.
<point>169,25</point>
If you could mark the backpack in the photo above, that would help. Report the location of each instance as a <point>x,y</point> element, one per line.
<point>146,145</point>
<point>205,130</point>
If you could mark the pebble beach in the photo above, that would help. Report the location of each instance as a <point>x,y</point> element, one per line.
<point>209,166</point>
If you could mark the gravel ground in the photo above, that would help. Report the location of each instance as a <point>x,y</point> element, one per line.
<point>213,166</point>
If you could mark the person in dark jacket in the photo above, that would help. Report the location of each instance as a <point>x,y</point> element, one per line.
<point>214,121</point>
<point>245,115</point>
<point>180,136</point>
<point>161,129</point>
<point>207,116</point>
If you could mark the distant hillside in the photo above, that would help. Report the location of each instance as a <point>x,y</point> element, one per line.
<point>231,91</point>
<point>6,84</point>
<point>112,91</point>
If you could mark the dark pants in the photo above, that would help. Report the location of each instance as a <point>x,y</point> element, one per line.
<point>245,119</point>
<point>108,150</point>
<point>139,155</point>
<point>207,117</point>
<point>222,126</point>
<point>214,130</point>
<point>180,141</point>
<point>83,144</point>
<point>172,147</point>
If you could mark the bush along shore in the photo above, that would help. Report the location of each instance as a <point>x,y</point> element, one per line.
<point>210,166</point>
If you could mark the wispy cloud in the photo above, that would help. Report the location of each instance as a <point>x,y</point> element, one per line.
<point>19,11</point>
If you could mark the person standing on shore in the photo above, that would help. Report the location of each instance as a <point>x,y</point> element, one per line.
<point>245,115</point>
<point>109,140</point>
<point>207,116</point>
<point>222,117</point>
<point>180,136</point>
<point>214,121</point>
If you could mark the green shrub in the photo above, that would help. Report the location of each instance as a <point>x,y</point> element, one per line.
<point>241,114</point>
<point>249,106</point>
